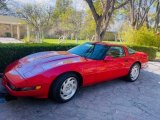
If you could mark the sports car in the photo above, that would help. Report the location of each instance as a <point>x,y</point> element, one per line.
<point>59,74</point>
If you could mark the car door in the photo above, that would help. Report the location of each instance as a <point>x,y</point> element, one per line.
<point>114,68</point>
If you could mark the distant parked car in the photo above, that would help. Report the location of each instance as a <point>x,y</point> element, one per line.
<point>59,74</point>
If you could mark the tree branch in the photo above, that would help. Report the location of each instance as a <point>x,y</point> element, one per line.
<point>121,5</point>
<point>106,9</point>
<point>93,10</point>
<point>3,4</point>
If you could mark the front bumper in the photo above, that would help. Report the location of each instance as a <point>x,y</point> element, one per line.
<point>40,93</point>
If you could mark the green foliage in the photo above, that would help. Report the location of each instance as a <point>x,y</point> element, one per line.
<point>67,20</point>
<point>143,36</point>
<point>3,4</point>
<point>38,17</point>
<point>62,14</point>
<point>89,23</point>
<point>61,7</point>
<point>98,6</point>
<point>151,51</point>
<point>8,34</point>
<point>12,52</point>
<point>158,55</point>
<point>89,26</point>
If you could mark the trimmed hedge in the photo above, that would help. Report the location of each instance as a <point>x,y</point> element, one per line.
<point>151,51</point>
<point>12,52</point>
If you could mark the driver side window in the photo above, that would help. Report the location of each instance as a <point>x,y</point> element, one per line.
<point>115,52</point>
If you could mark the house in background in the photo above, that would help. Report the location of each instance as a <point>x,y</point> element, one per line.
<point>111,36</point>
<point>12,27</point>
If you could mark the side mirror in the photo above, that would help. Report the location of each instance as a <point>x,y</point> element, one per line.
<point>108,58</point>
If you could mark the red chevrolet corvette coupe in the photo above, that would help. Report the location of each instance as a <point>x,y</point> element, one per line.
<point>60,74</point>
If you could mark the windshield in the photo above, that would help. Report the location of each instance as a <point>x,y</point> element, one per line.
<point>90,50</point>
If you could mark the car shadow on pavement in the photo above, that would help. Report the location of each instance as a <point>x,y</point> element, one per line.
<point>116,99</point>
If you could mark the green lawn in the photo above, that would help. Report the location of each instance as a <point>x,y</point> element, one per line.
<point>56,41</point>
<point>158,55</point>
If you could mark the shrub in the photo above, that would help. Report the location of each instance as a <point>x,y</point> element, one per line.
<point>12,52</point>
<point>143,36</point>
<point>7,34</point>
<point>151,51</point>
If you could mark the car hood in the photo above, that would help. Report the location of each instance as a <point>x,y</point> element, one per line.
<point>44,60</point>
<point>48,56</point>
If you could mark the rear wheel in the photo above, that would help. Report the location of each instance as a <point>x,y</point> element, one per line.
<point>65,87</point>
<point>134,72</point>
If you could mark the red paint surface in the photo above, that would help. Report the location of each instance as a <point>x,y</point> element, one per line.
<point>92,71</point>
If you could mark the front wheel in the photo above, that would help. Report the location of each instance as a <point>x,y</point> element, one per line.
<point>65,87</point>
<point>134,72</point>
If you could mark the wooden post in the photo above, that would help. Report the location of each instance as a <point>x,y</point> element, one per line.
<point>11,30</point>
<point>28,33</point>
<point>18,32</point>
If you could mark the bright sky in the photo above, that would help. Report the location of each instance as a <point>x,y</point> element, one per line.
<point>30,1</point>
<point>79,4</point>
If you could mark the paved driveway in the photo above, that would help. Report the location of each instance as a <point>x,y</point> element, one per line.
<point>9,40</point>
<point>114,100</point>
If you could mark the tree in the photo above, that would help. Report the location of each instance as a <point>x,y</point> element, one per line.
<point>67,20</point>
<point>139,10</point>
<point>3,6</point>
<point>157,18</point>
<point>102,17</point>
<point>61,7</point>
<point>76,20</point>
<point>88,26</point>
<point>38,17</point>
<point>61,15</point>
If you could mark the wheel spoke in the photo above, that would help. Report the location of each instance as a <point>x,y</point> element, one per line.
<point>135,72</point>
<point>68,88</point>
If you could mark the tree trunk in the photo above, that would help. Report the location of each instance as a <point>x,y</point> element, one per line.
<point>98,38</point>
<point>157,19</point>
<point>147,21</point>
<point>38,36</point>
<point>103,34</point>
<point>42,37</point>
<point>132,16</point>
<point>98,33</point>
<point>102,20</point>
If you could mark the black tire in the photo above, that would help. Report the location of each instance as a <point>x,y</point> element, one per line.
<point>55,90</point>
<point>129,76</point>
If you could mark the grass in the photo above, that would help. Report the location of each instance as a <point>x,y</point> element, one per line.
<point>158,55</point>
<point>56,41</point>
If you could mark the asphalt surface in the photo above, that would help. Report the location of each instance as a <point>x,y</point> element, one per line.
<point>113,100</point>
<point>9,40</point>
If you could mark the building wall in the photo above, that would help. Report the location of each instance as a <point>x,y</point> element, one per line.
<point>111,36</point>
<point>6,29</point>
